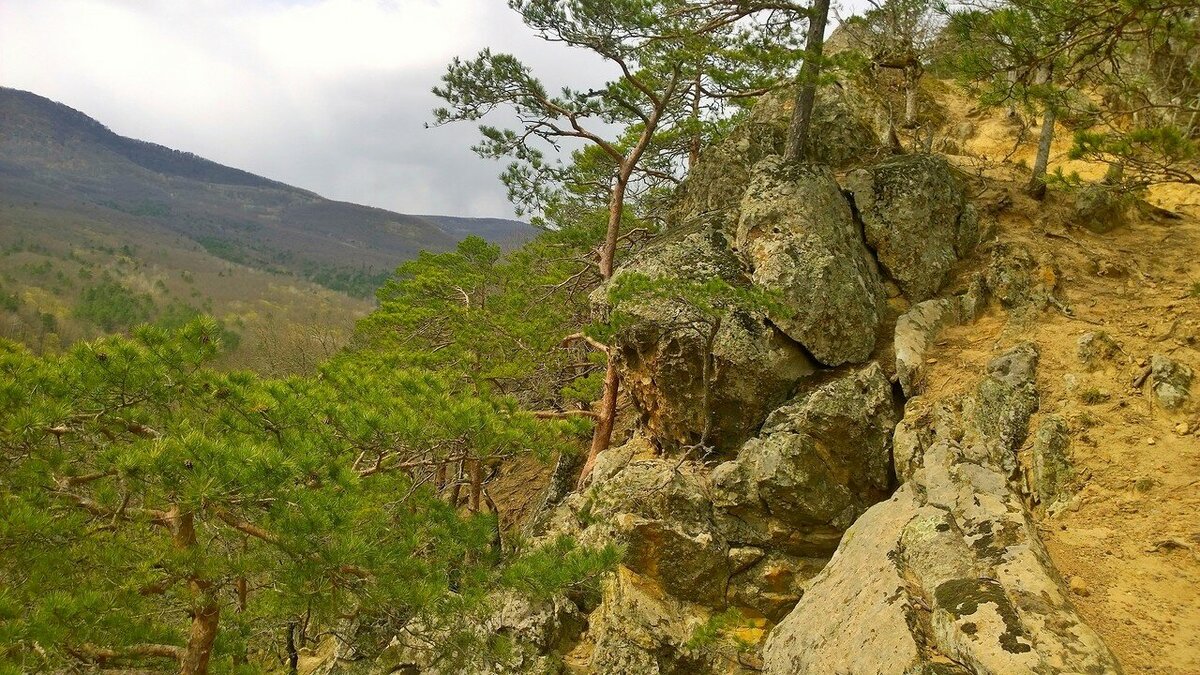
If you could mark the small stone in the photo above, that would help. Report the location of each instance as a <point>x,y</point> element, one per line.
<point>1150,441</point>
<point>1181,428</point>
<point>1079,587</point>
<point>931,361</point>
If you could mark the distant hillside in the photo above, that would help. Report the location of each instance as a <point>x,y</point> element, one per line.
<point>52,156</point>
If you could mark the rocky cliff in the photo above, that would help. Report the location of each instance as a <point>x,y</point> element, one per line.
<point>800,494</point>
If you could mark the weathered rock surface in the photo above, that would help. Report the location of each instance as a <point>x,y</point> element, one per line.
<point>818,463</point>
<point>771,585</point>
<point>663,351</point>
<point>916,330</point>
<point>1097,350</point>
<point>640,630</point>
<point>1171,381</point>
<point>1053,473</point>
<point>1100,209</point>
<point>800,239</point>
<point>1021,284</point>
<point>949,575</point>
<point>839,137</point>
<point>916,217</point>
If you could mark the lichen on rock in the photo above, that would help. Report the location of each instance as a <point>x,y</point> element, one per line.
<point>916,218</point>
<point>800,240</point>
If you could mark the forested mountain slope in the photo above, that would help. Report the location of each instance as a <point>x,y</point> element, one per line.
<point>52,154</point>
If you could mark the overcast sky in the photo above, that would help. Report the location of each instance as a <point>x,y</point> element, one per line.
<point>327,95</point>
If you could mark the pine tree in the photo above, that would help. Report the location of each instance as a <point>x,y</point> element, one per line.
<point>155,511</point>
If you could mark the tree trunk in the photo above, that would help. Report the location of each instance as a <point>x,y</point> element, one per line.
<point>810,72</point>
<point>606,417</point>
<point>1037,182</point>
<point>694,143</point>
<point>200,641</point>
<point>910,97</point>
<point>616,208</point>
<point>207,612</point>
<point>292,653</point>
<point>476,469</point>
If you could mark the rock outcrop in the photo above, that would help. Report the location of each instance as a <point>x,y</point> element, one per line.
<point>818,463</point>
<point>1100,209</point>
<point>665,357</point>
<point>839,137</point>
<point>916,217</point>
<point>1053,474</point>
<point>948,575</point>
<point>800,239</point>
<point>1171,381</point>
<point>1097,350</point>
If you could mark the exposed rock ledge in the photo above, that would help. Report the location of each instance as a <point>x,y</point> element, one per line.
<point>949,575</point>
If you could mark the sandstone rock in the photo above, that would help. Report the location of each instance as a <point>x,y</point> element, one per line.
<point>1096,350</point>
<point>948,575</point>
<point>641,631</point>
<point>1052,469</point>
<point>692,568</point>
<point>1171,381</point>
<point>663,349</point>
<point>818,463</point>
<point>840,136</point>
<point>916,218</point>
<point>771,586</point>
<point>1020,283</point>
<point>1100,209</point>
<point>915,332</point>
<point>799,236</point>
<point>1004,402</point>
<point>658,509</point>
<point>1079,587</point>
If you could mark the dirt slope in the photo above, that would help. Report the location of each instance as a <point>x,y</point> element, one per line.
<point>1131,534</point>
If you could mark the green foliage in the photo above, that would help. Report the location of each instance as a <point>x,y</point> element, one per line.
<point>494,323</point>
<point>9,300</point>
<point>141,487</point>
<point>360,283</point>
<point>111,306</point>
<point>675,66</point>
<point>1150,155</point>
<point>719,628</point>
<point>1140,57</point>
<point>706,301</point>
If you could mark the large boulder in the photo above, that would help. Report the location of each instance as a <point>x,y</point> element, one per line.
<point>819,462</point>
<point>916,217</point>
<point>948,576</point>
<point>839,137</point>
<point>799,236</point>
<point>658,509</point>
<point>686,389</point>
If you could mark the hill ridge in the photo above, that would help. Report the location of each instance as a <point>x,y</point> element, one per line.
<point>54,155</point>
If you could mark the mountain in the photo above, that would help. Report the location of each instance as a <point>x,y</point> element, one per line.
<point>52,156</point>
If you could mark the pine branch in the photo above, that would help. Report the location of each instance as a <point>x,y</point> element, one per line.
<point>91,652</point>
<point>580,337</point>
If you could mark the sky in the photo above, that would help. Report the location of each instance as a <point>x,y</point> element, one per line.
<point>327,95</point>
